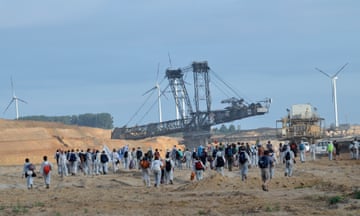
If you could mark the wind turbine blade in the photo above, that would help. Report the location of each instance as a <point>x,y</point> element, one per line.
<point>157,73</point>
<point>12,100</point>
<point>163,94</point>
<point>164,91</point>
<point>169,59</point>
<point>22,100</point>
<point>322,72</point>
<point>12,86</point>
<point>155,87</point>
<point>333,91</point>
<point>340,69</point>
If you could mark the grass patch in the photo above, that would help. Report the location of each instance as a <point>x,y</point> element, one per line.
<point>39,204</point>
<point>201,212</point>
<point>19,209</point>
<point>357,194</point>
<point>335,199</point>
<point>274,208</point>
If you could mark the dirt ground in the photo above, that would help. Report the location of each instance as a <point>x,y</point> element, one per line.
<point>319,187</point>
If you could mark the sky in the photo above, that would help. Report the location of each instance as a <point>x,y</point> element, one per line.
<point>90,56</point>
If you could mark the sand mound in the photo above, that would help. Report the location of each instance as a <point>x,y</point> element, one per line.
<point>32,139</point>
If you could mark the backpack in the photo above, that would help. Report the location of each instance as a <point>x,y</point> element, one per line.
<point>177,155</point>
<point>302,146</point>
<point>242,157</point>
<point>138,154</point>
<point>229,152</point>
<point>168,166</point>
<point>72,157</point>
<point>82,157</point>
<point>220,162</point>
<point>287,156</point>
<point>46,169</point>
<point>126,154</point>
<point>104,158</point>
<point>193,154</point>
<point>263,162</point>
<point>198,165</point>
<point>31,167</point>
<point>144,164</point>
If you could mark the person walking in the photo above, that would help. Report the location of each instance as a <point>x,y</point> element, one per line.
<point>145,169</point>
<point>97,162</point>
<point>289,159</point>
<point>115,160</point>
<point>45,171</point>
<point>254,155</point>
<point>169,169</point>
<point>219,163</point>
<point>126,157</point>
<point>313,151</point>
<point>188,158</point>
<point>337,148</point>
<point>198,168</point>
<point>273,161</point>
<point>229,154</point>
<point>89,162</point>
<point>72,158</point>
<point>63,164</point>
<point>57,158</point>
<point>294,148</point>
<point>244,162</point>
<point>28,173</point>
<point>156,165</point>
<point>330,149</point>
<point>139,155</point>
<point>355,149</point>
<point>179,158</point>
<point>302,151</point>
<point>104,159</point>
<point>264,163</point>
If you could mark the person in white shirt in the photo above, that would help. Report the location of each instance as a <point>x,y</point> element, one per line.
<point>354,149</point>
<point>114,160</point>
<point>45,171</point>
<point>169,169</point>
<point>63,164</point>
<point>313,151</point>
<point>156,166</point>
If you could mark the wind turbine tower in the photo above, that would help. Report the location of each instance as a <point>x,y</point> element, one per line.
<point>333,83</point>
<point>14,99</point>
<point>157,87</point>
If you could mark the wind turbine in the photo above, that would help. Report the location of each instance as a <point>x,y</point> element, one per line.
<point>14,99</point>
<point>333,83</point>
<point>157,86</point>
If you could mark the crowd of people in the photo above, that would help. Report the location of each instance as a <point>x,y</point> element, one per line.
<point>216,157</point>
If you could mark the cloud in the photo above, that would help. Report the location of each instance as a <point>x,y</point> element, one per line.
<point>18,13</point>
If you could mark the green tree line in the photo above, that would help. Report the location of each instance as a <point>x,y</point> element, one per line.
<point>225,130</point>
<point>99,120</point>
